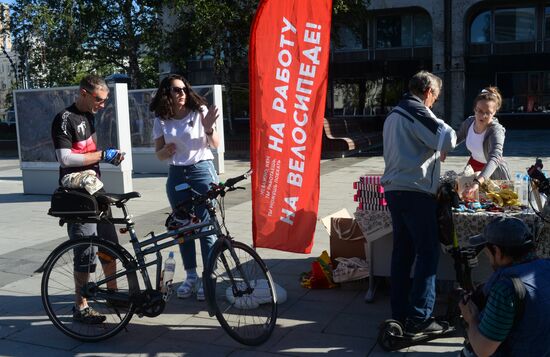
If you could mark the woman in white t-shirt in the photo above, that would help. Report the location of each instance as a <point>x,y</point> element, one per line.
<point>184,131</point>
<point>484,137</point>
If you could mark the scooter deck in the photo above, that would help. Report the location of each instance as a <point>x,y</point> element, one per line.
<point>426,336</point>
<point>391,341</point>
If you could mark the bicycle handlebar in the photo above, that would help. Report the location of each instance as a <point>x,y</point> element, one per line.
<point>215,189</point>
<point>230,182</point>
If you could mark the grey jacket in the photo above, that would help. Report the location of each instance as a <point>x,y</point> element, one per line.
<point>413,138</point>
<point>493,144</point>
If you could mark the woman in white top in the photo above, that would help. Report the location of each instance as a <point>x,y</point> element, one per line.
<point>184,131</point>
<point>484,138</point>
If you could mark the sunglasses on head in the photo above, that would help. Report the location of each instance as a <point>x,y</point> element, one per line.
<point>179,90</point>
<point>98,100</point>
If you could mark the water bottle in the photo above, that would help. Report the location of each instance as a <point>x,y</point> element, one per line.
<point>518,186</point>
<point>525,191</point>
<point>168,273</point>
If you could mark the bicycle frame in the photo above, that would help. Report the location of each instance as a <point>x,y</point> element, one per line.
<point>188,233</point>
<point>151,245</point>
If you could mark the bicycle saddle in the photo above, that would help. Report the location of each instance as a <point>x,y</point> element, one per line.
<point>114,198</point>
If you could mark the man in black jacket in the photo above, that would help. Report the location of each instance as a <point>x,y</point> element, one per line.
<point>74,139</point>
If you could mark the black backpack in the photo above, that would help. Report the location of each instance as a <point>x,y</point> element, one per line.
<point>447,198</point>
<point>71,203</point>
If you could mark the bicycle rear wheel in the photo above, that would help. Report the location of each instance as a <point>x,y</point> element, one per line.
<point>241,291</point>
<point>59,283</point>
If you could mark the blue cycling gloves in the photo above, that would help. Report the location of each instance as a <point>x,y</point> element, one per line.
<point>112,156</point>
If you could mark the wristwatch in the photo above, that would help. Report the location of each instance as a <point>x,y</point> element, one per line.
<point>477,181</point>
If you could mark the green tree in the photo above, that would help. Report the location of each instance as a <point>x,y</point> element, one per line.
<point>59,40</point>
<point>219,30</point>
<point>351,14</point>
<point>121,35</point>
<point>215,30</point>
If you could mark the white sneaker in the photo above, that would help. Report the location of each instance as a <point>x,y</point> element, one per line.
<point>187,288</point>
<point>200,294</point>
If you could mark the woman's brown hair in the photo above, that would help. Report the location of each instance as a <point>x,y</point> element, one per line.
<point>490,93</point>
<point>162,103</point>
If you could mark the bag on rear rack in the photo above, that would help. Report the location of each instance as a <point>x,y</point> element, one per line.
<point>73,203</point>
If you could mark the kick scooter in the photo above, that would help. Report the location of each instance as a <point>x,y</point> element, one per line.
<point>392,334</point>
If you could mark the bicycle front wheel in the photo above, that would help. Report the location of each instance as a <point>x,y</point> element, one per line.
<point>242,293</point>
<point>83,271</point>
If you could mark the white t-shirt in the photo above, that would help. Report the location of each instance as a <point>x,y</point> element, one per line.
<point>188,135</point>
<point>474,143</point>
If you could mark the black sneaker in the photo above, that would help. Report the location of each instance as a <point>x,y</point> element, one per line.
<point>88,316</point>
<point>428,327</point>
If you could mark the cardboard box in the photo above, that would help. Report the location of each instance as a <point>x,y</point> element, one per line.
<point>346,238</point>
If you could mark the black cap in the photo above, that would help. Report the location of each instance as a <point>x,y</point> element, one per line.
<point>504,232</point>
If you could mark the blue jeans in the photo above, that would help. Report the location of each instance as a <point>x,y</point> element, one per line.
<point>198,176</point>
<point>415,235</point>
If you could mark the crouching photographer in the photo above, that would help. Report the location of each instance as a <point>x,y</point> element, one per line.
<point>514,320</point>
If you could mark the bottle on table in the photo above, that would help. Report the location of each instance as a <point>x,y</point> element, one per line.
<point>518,186</point>
<point>525,190</point>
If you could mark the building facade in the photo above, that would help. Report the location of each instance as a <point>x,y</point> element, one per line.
<point>470,44</point>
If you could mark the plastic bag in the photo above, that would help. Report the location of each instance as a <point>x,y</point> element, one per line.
<point>87,180</point>
<point>349,269</point>
<point>320,276</point>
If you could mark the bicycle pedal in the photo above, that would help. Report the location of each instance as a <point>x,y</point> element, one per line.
<point>168,293</point>
<point>166,297</point>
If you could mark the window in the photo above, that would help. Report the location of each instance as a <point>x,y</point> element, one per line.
<point>422,30</point>
<point>346,98</point>
<point>515,24</point>
<point>547,23</point>
<point>404,31</point>
<point>546,82</point>
<point>480,31</point>
<point>348,40</point>
<point>507,25</point>
<point>524,92</point>
<point>367,96</point>
<point>393,31</point>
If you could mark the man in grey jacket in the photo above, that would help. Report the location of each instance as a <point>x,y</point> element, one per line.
<point>414,139</point>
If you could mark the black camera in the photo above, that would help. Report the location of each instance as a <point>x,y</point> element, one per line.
<point>535,173</point>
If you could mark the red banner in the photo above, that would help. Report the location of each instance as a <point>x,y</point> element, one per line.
<point>288,61</point>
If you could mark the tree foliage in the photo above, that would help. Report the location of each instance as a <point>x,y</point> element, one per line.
<point>220,29</point>
<point>350,14</point>
<point>59,40</point>
<point>209,29</point>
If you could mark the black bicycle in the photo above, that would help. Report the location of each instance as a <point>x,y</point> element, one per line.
<point>238,286</point>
